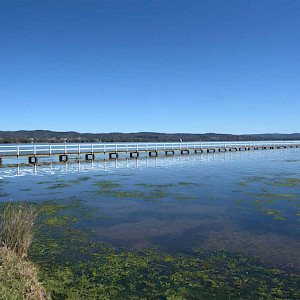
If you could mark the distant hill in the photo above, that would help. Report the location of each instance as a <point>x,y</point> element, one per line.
<point>38,136</point>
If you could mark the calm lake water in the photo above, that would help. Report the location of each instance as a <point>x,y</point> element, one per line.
<point>242,202</point>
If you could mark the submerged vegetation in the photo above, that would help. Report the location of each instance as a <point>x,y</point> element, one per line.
<point>155,185</point>
<point>58,186</point>
<point>103,272</point>
<point>4,194</point>
<point>106,184</point>
<point>271,181</point>
<point>73,264</point>
<point>270,204</point>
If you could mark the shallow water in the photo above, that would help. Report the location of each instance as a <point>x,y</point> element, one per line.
<point>245,202</point>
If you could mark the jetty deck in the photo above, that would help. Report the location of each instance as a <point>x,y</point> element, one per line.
<point>64,151</point>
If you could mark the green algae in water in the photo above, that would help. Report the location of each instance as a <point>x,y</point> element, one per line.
<point>74,181</point>
<point>274,196</point>
<point>44,182</point>
<point>155,185</point>
<point>2,182</point>
<point>197,184</point>
<point>186,183</point>
<point>275,213</point>
<point>253,179</point>
<point>121,194</point>
<point>289,182</point>
<point>83,178</point>
<point>84,270</point>
<point>249,180</point>
<point>58,186</point>
<point>267,199</point>
<point>153,195</point>
<point>71,267</point>
<point>285,184</point>
<point>259,201</point>
<point>62,220</point>
<point>63,212</point>
<point>158,193</point>
<point>185,198</point>
<point>106,184</point>
<point>2,195</point>
<point>294,180</point>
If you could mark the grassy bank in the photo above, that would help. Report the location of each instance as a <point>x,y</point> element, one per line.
<point>18,276</point>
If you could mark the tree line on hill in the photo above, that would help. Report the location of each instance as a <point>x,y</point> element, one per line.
<point>47,136</point>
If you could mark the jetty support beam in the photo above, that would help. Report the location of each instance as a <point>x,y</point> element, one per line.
<point>89,156</point>
<point>199,150</point>
<point>155,152</point>
<point>185,151</point>
<point>137,154</point>
<point>63,158</point>
<point>170,151</point>
<point>32,159</point>
<point>113,155</point>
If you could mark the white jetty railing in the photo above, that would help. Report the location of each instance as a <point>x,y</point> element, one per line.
<point>65,149</point>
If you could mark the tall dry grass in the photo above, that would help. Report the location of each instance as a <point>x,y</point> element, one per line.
<point>18,276</point>
<point>16,227</point>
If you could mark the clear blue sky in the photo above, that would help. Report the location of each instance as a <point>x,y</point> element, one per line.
<point>165,66</point>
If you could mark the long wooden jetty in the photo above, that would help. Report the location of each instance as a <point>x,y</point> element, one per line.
<point>64,151</point>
